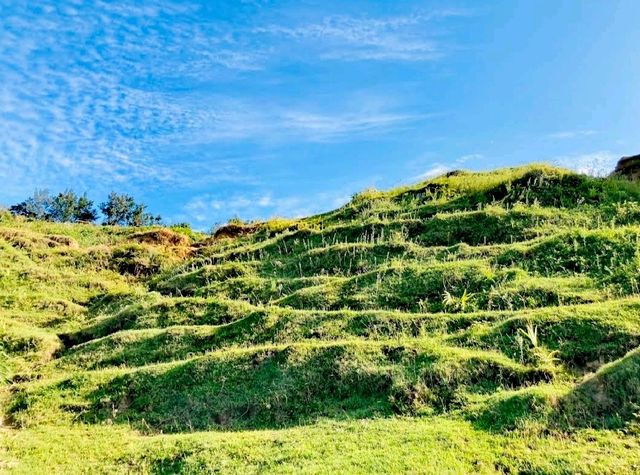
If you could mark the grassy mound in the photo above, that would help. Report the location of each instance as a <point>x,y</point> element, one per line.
<point>276,386</point>
<point>609,398</point>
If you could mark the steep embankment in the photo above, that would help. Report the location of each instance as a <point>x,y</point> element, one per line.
<point>485,322</point>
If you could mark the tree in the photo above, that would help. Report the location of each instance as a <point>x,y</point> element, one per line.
<point>63,207</point>
<point>121,209</point>
<point>34,207</point>
<point>67,206</point>
<point>118,209</point>
<point>140,217</point>
<point>85,211</point>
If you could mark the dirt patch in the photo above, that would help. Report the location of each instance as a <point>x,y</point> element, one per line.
<point>234,231</point>
<point>628,167</point>
<point>30,241</point>
<point>63,241</point>
<point>161,237</point>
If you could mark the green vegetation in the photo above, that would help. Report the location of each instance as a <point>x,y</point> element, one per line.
<point>474,323</point>
<point>68,207</point>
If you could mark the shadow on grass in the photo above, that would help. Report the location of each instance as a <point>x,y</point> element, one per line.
<point>282,387</point>
<point>608,399</point>
<point>267,389</point>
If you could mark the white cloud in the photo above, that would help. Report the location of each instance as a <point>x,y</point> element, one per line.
<point>207,209</point>
<point>98,93</point>
<point>323,125</point>
<point>471,157</point>
<point>233,120</point>
<point>571,134</point>
<point>436,167</point>
<point>71,104</point>
<point>595,164</point>
<point>402,38</point>
<point>436,170</point>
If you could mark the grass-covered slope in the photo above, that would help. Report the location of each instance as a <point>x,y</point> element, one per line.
<point>475,323</point>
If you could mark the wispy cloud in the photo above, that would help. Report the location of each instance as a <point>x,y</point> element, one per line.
<point>470,157</point>
<point>72,105</point>
<point>91,90</point>
<point>208,208</point>
<point>232,120</point>
<point>596,163</point>
<point>432,172</point>
<point>401,38</point>
<point>144,97</point>
<point>323,126</point>
<point>428,168</point>
<point>571,134</point>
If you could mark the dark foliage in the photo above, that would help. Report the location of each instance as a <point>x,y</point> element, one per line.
<point>121,209</point>
<point>65,207</point>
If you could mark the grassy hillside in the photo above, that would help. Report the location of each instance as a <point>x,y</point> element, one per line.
<point>474,323</point>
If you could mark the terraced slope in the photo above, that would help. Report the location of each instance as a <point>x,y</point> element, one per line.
<point>475,323</point>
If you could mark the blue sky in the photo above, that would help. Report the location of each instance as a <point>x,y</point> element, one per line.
<point>206,110</point>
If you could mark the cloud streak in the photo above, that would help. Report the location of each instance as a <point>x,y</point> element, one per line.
<point>571,134</point>
<point>401,38</point>
<point>247,119</point>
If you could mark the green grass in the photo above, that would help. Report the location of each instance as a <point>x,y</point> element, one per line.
<point>475,323</point>
<point>396,445</point>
